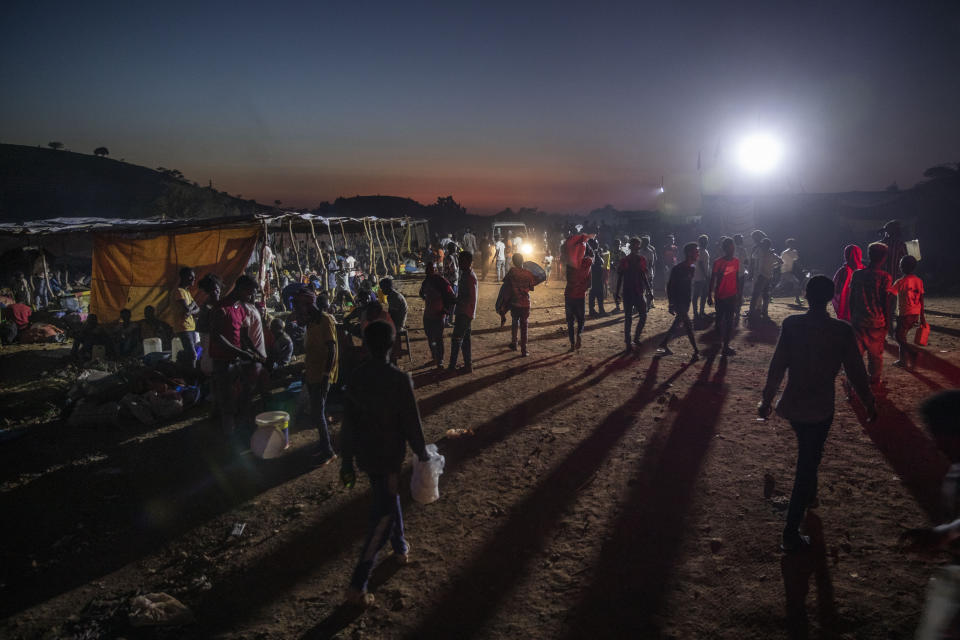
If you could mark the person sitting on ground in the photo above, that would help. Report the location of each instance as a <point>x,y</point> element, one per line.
<point>380,419</point>
<point>153,327</point>
<point>281,351</point>
<point>679,292</point>
<point>910,311</point>
<point>90,334</point>
<point>812,347</point>
<point>941,612</point>
<point>18,313</point>
<point>126,336</point>
<point>396,303</point>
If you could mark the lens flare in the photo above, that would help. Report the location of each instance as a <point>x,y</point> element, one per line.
<point>759,153</point>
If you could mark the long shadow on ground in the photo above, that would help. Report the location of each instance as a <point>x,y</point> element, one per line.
<point>233,601</point>
<point>506,558</point>
<point>632,573</point>
<point>913,456</point>
<point>121,509</point>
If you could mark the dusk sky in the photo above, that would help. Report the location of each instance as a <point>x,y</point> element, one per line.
<point>563,106</point>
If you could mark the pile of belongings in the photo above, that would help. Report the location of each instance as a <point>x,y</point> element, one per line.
<point>146,394</point>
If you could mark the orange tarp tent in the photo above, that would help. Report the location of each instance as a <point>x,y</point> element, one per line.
<point>133,271</point>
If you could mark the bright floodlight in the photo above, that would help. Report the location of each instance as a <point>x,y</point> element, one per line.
<point>526,248</point>
<point>759,153</point>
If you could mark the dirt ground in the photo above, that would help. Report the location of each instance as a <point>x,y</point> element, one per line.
<point>600,495</point>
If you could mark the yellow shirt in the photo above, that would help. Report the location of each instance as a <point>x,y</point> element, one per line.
<point>183,321</point>
<point>319,334</point>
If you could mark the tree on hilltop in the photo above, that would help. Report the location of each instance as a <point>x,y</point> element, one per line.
<point>101,152</point>
<point>55,145</point>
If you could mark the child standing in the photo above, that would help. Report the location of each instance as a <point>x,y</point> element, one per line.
<point>909,290</point>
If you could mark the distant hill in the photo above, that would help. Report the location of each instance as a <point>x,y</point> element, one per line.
<point>38,183</point>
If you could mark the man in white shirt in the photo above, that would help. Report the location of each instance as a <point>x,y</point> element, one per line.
<point>500,258</point>
<point>351,264</point>
<point>767,261</point>
<point>789,257</point>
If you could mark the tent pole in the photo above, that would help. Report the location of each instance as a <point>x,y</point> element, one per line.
<point>323,259</point>
<point>383,254</point>
<point>333,245</point>
<point>46,275</point>
<point>396,245</point>
<point>371,250</point>
<point>296,251</point>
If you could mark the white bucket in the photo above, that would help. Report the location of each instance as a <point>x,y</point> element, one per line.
<point>913,249</point>
<point>272,435</point>
<point>152,345</point>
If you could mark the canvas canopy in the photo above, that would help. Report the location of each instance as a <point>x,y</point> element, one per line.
<point>133,272</point>
<point>135,261</point>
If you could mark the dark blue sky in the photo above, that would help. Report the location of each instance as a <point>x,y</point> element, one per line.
<point>566,106</point>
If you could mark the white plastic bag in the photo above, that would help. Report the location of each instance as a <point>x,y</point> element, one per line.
<point>424,484</point>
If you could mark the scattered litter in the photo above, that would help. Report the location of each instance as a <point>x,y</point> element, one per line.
<point>159,609</point>
<point>238,529</point>
<point>456,433</point>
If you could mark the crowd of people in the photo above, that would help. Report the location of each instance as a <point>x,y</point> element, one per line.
<point>224,339</point>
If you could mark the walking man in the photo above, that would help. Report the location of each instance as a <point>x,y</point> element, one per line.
<point>870,310</point>
<point>464,313</point>
<point>380,419</point>
<point>679,291</point>
<point>724,291</point>
<point>812,347</point>
<point>632,281</point>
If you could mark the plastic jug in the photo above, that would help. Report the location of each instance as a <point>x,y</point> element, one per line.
<point>913,249</point>
<point>152,345</point>
<point>176,346</point>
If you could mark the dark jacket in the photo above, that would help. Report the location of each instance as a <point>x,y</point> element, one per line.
<point>380,418</point>
<point>812,347</point>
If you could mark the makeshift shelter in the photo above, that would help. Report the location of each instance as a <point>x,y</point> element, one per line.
<point>134,263</point>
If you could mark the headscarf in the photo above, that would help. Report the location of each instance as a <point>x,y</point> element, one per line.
<point>853,253</point>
